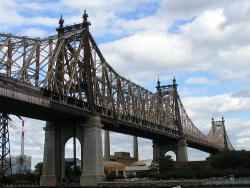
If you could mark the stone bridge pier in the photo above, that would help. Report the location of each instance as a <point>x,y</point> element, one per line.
<point>56,136</point>
<point>179,148</point>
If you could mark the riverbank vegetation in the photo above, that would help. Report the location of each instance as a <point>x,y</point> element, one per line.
<point>223,164</point>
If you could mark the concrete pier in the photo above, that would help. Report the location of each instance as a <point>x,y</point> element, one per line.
<point>92,161</point>
<point>179,148</point>
<point>49,176</point>
<point>90,138</point>
<point>181,155</point>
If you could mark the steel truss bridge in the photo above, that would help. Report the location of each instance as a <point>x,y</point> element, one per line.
<point>65,77</point>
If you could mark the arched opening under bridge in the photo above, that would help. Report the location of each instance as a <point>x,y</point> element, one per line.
<point>171,154</point>
<point>72,161</point>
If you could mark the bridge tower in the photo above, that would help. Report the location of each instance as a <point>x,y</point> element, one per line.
<point>160,148</point>
<point>224,133</point>
<point>88,131</point>
<point>219,135</point>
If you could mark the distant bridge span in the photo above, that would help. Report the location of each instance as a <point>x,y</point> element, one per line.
<point>65,78</point>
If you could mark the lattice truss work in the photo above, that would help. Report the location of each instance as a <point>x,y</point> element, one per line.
<point>189,129</point>
<point>5,160</point>
<point>70,67</point>
<point>179,116</point>
<point>217,135</point>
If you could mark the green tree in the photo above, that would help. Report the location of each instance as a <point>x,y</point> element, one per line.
<point>231,159</point>
<point>163,164</point>
<point>39,168</point>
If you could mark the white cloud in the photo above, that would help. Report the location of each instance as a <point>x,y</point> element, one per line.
<point>204,45</point>
<point>242,93</point>
<point>201,106</point>
<point>182,8</point>
<point>200,80</point>
<point>148,55</point>
<point>33,32</point>
<point>42,21</point>
<point>237,12</point>
<point>117,6</point>
<point>38,7</point>
<point>239,132</point>
<point>9,16</point>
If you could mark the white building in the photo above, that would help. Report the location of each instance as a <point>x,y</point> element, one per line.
<point>21,164</point>
<point>138,167</point>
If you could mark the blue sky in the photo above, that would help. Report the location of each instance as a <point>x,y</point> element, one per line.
<point>204,44</point>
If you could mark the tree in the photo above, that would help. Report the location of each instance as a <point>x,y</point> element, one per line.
<point>70,170</point>
<point>231,159</point>
<point>163,164</point>
<point>39,168</point>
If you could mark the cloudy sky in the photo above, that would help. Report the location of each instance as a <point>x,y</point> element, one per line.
<point>204,44</point>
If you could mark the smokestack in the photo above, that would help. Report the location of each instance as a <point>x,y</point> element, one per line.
<point>106,145</point>
<point>22,139</point>
<point>135,146</point>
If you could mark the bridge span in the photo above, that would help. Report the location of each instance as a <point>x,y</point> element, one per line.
<point>66,81</point>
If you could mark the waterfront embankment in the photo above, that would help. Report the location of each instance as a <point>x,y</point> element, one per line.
<point>183,183</point>
<point>140,183</point>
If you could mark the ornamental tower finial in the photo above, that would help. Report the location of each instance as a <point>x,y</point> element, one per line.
<point>158,83</point>
<point>61,22</point>
<point>174,81</point>
<point>85,18</point>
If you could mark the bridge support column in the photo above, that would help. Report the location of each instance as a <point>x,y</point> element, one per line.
<point>182,151</point>
<point>62,161</point>
<point>135,147</point>
<point>106,145</point>
<point>157,150</point>
<point>92,161</point>
<point>49,176</point>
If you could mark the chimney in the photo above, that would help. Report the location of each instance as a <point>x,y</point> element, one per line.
<point>22,139</point>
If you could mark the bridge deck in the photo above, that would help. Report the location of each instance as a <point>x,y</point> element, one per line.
<point>33,102</point>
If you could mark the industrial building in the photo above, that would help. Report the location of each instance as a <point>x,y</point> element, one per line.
<point>20,163</point>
